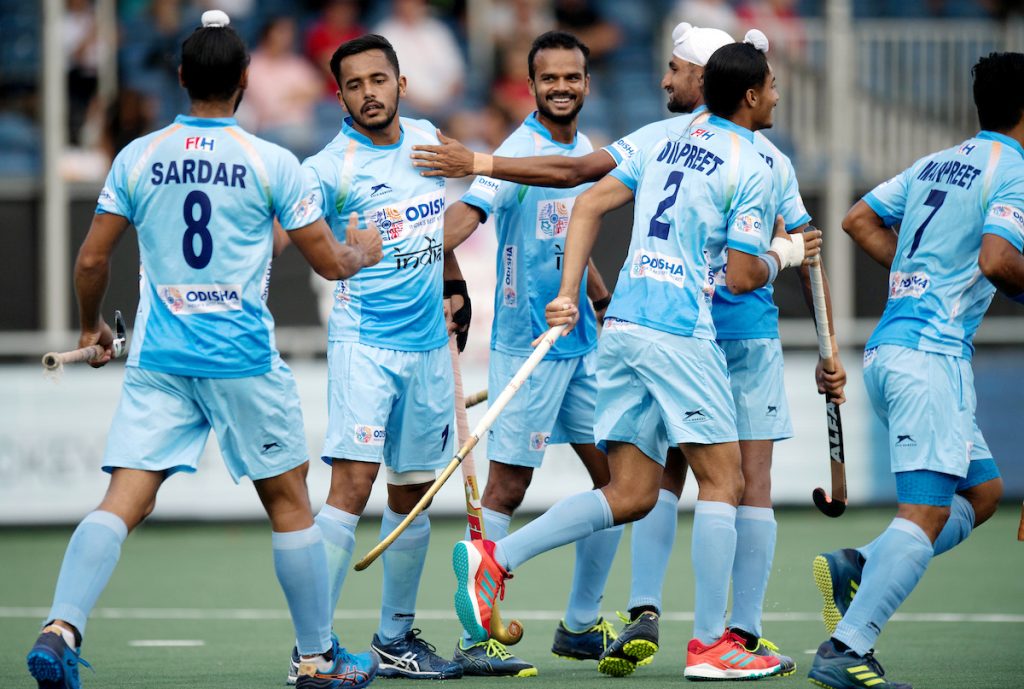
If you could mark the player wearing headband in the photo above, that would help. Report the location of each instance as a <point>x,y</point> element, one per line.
<point>203,195</point>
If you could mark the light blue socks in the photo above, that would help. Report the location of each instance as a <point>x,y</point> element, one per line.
<point>339,533</point>
<point>651,545</point>
<point>898,560</point>
<point>301,566</point>
<point>89,561</point>
<point>569,520</point>
<point>403,566</point>
<point>594,555</point>
<point>755,548</point>
<point>958,527</point>
<point>714,545</point>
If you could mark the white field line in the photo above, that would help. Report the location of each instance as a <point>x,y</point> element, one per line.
<point>541,615</point>
<point>166,643</point>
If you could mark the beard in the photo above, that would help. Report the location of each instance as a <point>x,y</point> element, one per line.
<point>677,105</point>
<point>567,118</point>
<point>389,115</point>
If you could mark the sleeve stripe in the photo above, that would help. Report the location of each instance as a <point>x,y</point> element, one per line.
<point>257,163</point>
<point>136,173</point>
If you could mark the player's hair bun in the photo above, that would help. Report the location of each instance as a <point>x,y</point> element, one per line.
<point>215,19</point>
<point>756,38</point>
<point>679,33</point>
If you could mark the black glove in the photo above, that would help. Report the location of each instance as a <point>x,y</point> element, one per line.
<point>462,317</point>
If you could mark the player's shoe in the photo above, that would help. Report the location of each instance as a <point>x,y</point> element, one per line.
<point>293,664</point>
<point>480,584</point>
<point>589,644</point>
<point>837,576</point>
<point>53,663</point>
<point>491,659</point>
<point>635,645</point>
<point>726,658</point>
<point>763,647</point>
<point>343,670</point>
<point>834,669</point>
<point>413,658</point>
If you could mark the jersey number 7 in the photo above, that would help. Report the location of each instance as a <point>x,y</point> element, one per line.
<point>935,200</point>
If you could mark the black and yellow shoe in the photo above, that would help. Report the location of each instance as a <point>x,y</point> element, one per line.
<point>837,576</point>
<point>586,645</point>
<point>491,659</point>
<point>835,669</point>
<point>636,645</point>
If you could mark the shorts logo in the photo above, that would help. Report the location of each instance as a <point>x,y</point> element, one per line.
<point>539,441</point>
<point>908,284</point>
<point>773,411</point>
<point>389,222</point>
<point>1001,210</point>
<point>369,435</point>
<point>553,218</point>
<point>508,276</point>
<point>695,416</point>
<point>654,266</point>
<point>905,440</point>
<point>189,300</point>
<point>200,143</point>
<point>267,447</point>
<point>748,224</point>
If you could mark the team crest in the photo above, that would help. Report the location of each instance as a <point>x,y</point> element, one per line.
<point>389,222</point>
<point>172,297</point>
<point>553,218</point>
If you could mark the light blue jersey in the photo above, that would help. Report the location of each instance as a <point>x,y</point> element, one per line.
<point>397,303</point>
<point>202,194</point>
<point>944,203</point>
<point>699,190</point>
<point>752,315</point>
<point>532,223</point>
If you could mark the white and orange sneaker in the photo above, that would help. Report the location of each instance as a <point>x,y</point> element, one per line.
<point>480,584</point>
<point>726,658</point>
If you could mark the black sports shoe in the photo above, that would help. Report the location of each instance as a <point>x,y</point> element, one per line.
<point>834,669</point>
<point>413,658</point>
<point>586,645</point>
<point>636,645</point>
<point>491,659</point>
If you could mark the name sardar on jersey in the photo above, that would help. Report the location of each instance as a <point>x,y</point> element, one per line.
<point>190,171</point>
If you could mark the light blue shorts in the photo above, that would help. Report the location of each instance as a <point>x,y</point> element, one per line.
<point>655,389</point>
<point>384,405</point>
<point>758,389</point>
<point>555,405</point>
<point>163,420</point>
<point>927,403</point>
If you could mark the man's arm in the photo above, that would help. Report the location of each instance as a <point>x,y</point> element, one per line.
<point>460,220</point>
<point>597,291</point>
<point>452,159</point>
<point>332,259</point>
<point>1003,265</point>
<point>866,228</point>
<point>92,275</point>
<point>747,272</point>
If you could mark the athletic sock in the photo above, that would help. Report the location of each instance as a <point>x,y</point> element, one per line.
<point>496,525</point>
<point>714,546</point>
<point>900,556</point>
<point>403,566</point>
<point>755,547</point>
<point>651,547</point>
<point>568,520</point>
<point>339,533</point>
<point>594,555</point>
<point>958,527</point>
<point>301,566</point>
<point>89,560</point>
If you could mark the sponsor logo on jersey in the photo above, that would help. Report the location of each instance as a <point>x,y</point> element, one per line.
<point>369,435</point>
<point>748,224</point>
<point>304,208</point>
<point>908,284</point>
<point>1001,210</point>
<point>869,356</point>
<point>200,143</point>
<point>389,222</point>
<point>613,324</point>
<point>428,254</point>
<point>905,440</point>
<point>342,292</point>
<point>539,441</point>
<point>626,147</point>
<point>655,266</point>
<point>553,218</point>
<point>379,190</point>
<point>105,196</point>
<point>189,300</point>
<point>489,184</point>
<point>508,276</point>
<point>413,217</point>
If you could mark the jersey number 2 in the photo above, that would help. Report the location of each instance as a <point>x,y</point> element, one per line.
<point>197,228</point>
<point>659,229</point>
<point>935,200</point>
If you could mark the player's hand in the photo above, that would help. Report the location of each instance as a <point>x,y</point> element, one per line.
<point>450,159</point>
<point>367,242</point>
<point>104,337</point>
<point>831,384</point>
<point>458,311</point>
<point>561,311</point>
<point>812,245</point>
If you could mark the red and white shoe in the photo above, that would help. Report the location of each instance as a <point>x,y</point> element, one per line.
<point>481,583</point>
<point>726,658</point>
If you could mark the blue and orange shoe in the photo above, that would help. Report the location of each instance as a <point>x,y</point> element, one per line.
<point>837,575</point>
<point>339,669</point>
<point>834,669</point>
<point>726,658</point>
<point>52,662</point>
<point>763,647</point>
<point>480,584</point>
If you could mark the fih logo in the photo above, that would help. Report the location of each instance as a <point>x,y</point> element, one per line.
<point>539,440</point>
<point>200,143</point>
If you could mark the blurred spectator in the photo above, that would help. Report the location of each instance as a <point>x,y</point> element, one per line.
<point>429,57</point>
<point>81,56</point>
<point>338,22</point>
<point>711,14</point>
<point>283,88</point>
<point>128,117</point>
<point>778,19</point>
<point>582,18</point>
<point>511,90</point>
<point>515,23</point>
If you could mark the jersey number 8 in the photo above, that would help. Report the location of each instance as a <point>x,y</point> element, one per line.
<point>197,228</point>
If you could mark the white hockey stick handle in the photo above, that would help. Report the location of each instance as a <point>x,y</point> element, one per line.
<point>54,360</point>
<point>821,316</point>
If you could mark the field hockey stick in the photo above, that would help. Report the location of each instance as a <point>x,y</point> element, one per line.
<point>476,398</point>
<point>1020,527</point>
<point>547,340</point>
<point>834,505</point>
<point>54,361</point>
<point>474,510</point>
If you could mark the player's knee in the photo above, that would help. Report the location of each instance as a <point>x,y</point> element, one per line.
<point>984,498</point>
<point>505,497</point>
<point>629,505</point>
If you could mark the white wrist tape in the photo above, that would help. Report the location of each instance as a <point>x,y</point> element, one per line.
<point>789,250</point>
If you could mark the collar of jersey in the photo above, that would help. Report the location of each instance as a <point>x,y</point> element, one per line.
<point>731,126</point>
<point>190,121</point>
<point>699,109</point>
<point>1001,138</point>
<point>533,123</point>
<point>352,133</point>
